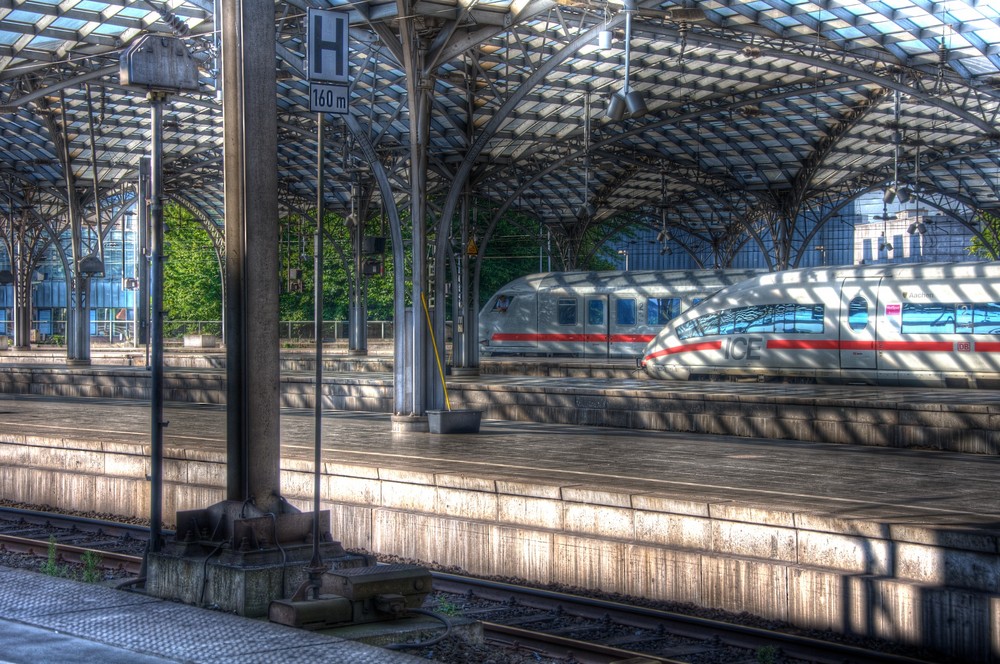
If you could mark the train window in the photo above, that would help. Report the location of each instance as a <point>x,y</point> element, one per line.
<point>595,312</point>
<point>727,322</point>
<point>625,312</point>
<point>566,311</point>
<point>757,319</point>
<point>808,319</point>
<point>857,314</point>
<point>986,318</point>
<point>933,318</point>
<point>699,327</point>
<point>784,318</point>
<point>688,329</point>
<point>661,310</point>
<point>503,303</point>
<point>963,318</point>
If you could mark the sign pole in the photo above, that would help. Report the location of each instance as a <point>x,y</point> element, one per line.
<point>327,58</point>
<point>316,567</point>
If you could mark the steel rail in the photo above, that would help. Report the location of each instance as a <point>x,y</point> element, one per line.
<point>87,524</point>
<point>742,636</point>
<point>583,652</point>
<point>109,560</point>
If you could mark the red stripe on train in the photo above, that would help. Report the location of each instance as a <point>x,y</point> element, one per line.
<point>804,344</point>
<point>591,338</point>
<point>988,346</point>
<point>939,346</point>
<point>704,345</point>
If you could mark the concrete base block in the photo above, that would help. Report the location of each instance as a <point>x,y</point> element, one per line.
<point>200,341</point>
<point>453,421</point>
<point>405,423</point>
<point>246,590</point>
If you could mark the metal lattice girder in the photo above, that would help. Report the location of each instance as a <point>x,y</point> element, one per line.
<point>746,99</point>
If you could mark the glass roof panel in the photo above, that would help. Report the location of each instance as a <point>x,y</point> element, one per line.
<point>69,23</point>
<point>22,17</point>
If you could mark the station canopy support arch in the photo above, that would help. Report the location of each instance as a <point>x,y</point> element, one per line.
<point>745,117</point>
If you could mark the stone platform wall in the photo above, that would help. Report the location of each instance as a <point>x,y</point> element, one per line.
<point>938,587</point>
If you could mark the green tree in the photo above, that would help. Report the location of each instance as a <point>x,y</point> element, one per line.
<point>513,251</point>
<point>296,299</point>
<point>192,283</point>
<point>991,233</point>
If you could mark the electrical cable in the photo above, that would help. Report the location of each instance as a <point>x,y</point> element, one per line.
<point>428,642</point>
<point>204,572</point>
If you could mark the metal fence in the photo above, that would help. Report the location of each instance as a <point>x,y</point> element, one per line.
<point>123,331</point>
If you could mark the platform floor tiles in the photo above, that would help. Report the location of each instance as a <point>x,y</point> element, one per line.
<point>46,619</point>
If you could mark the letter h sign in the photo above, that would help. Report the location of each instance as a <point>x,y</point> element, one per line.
<point>327,46</point>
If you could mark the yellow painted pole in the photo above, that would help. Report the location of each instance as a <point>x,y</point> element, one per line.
<point>437,357</point>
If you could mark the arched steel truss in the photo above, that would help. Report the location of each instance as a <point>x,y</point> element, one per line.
<point>760,122</point>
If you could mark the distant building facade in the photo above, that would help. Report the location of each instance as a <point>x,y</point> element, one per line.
<point>911,236</point>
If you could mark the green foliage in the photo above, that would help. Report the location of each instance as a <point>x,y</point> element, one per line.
<point>768,655</point>
<point>447,607</point>
<point>513,251</point>
<point>192,282</point>
<point>991,233</point>
<point>51,565</point>
<point>91,566</point>
<point>297,253</point>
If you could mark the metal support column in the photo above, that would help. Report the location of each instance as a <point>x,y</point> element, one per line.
<point>251,190</point>
<point>142,255</point>
<point>156,101</point>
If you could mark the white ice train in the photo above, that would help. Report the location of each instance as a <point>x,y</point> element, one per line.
<point>932,324</point>
<point>592,314</point>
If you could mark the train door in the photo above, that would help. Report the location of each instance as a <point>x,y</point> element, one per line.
<point>596,327</point>
<point>858,335</point>
<point>628,321</point>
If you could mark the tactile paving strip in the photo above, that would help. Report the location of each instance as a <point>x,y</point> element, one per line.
<point>26,594</point>
<point>167,629</point>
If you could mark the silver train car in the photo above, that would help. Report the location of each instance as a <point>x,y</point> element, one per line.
<point>609,314</point>
<point>933,324</point>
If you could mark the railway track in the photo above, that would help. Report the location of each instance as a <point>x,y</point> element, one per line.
<point>557,626</point>
<point>592,630</point>
<point>116,547</point>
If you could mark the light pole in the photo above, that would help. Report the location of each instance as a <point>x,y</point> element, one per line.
<point>624,252</point>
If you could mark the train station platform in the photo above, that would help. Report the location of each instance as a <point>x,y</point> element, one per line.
<point>892,543</point>
<point>602,394</point>
<point>48,619</point>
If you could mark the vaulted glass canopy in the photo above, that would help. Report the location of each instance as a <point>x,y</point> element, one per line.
<point>758,113</point>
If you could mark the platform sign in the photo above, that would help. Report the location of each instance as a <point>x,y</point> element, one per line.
<point>327,61</point>
<point>327,40</point>
<point>325,98</point>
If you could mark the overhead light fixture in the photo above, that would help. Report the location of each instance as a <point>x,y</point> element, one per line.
<point>604,39</point>
<point>889,195</point>
<point>616,107</point>
<point>917,227</point>
<point>903,193</point>
<point>636,104</point>
<point>626,98</point>
<point>91,266</point>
